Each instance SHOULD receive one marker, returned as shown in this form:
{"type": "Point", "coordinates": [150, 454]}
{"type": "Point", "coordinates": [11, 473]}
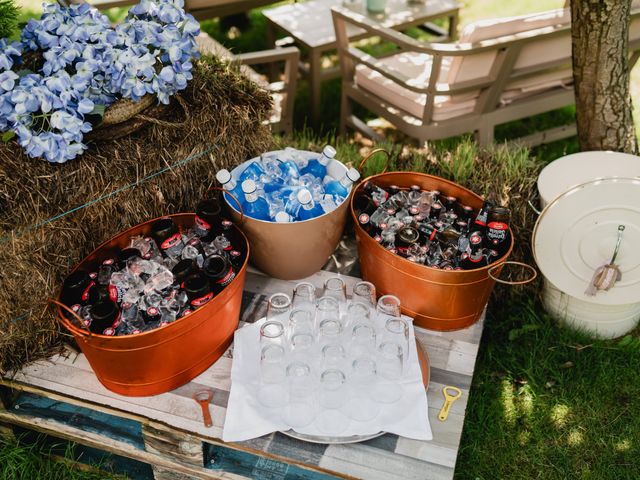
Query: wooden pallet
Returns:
{"type": "Point", "coordinates": [61, 397]}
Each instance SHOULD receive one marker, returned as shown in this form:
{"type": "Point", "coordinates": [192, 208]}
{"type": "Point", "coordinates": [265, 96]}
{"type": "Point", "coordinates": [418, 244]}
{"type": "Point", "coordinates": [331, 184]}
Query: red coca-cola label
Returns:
{"type": "Point", "coordinates": [363, 218]}
{"type": "Point", "coordinates": [185, 313]}
{"type": "Point", "coordinates": [391, 211]}
{"type": "Point", "coordinates": [108, 261]}
{"type": "Point", "coordinates": [85, 294]}
{"type": "Point", "coordinates": [198, 302]}
{"type": "Point", "coordinates": [235, 253]}
{"type": "Point", "coordinates": [383, 226]}
{"type": "Point", "coordinates": [202, 224]}
{"type": "Point", "coordinates": [116, 294]}
{"type": "Point", "coordinates": [378, 238]}
{"type": "Point", "coordinates": [414, 210]}
{"type": "Point", "coordinates": [475, 259]}
{"type": "Point", "coordinates": [226, 280]}
{"type": "Point", "coordinates": [475, 239]}
{"type": "Point", "coordinates": [497, 232]}
{"type": "Point", "coordinates": [227, 224]}
{"type": "Point", "coordinates": [111, 331]}
{"type": "Point", "coordinates": [172, 241]}
{"type": "Point", "coordinates": [194, 242]}
{"type": "Point", "coordinates": [135, 331]}
{"type": "Point", "coordinates": [93, 275]}
{"type": "Point", "coordinates": [433, 234]}
{"type": "Point", "coordinates": [402, 251]}
{"type": "Point", "coordinates": [152, 311]}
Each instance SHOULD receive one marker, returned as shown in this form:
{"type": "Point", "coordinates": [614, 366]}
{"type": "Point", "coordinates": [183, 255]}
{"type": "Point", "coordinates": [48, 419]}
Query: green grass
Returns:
{"type": "Point", "coordinates": [550, 403]}
{"type": "Point", "coordinates": [36, 462]}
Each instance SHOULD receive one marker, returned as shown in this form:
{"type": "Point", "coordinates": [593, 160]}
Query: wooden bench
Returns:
{"type": "Point", "coordinates": [62, 398]}
{"type": "Point", "coordinates": [500, 70]}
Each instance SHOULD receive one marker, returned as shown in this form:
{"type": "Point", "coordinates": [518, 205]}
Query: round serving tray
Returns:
{"type": "Point", "coordinates": [423, 359]}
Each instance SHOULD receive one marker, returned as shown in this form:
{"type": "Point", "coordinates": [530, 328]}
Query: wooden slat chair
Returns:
{"type": "Point", "coordinates": [500, 70]}
{"type": "Point", "coordinates": [282, 92]}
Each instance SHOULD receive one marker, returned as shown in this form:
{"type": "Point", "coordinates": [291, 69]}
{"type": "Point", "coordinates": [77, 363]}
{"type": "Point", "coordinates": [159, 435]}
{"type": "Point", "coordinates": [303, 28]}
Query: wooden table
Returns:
{"type": "Point", "coordinates": [62, 398]}
{"type": "Point", "coordinates": [311, 26]}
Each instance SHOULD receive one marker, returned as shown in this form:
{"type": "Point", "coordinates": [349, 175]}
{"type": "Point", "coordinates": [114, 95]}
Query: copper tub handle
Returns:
{"type": "Point", "coordinates": [234, 198]}
{"type": "Point", "coordinates": [371, 154]}
{"type": "Point", "coordinates": [511, 262]}
{"type": "Point", "coordinates": [82, 330]}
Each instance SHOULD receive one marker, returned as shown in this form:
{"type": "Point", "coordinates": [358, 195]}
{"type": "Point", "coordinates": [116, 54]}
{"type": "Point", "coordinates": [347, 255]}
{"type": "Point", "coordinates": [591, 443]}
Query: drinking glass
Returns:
{"type": "Point", "coordinates": [304, 297]}
{"type": "Point", "coordinates": [364, 378]}
{"type": "Point", "coordinates": [332, 396]}
{"type": "Point", "coordinates": [363, 340]}
{"type": "Point", "coordinates": [364, 292]}
{"type": "Point", "coordinates": [334, 356]}
{"type": "Point", "coordinates": [302, 346]}
{"type": "Point", "coordinates": [388, 306]}
{"type": "Point", "coordinates": [272, 333]}
{"type": "Point", "coordinates": [271, 392]}
{"type": "Point", "coordinates": [330, 331]}
{"type": "Point", "coordinates": [357, 312]}
{"type": "Point", "coordinates": [301, 409]}
{"type": "Point", "coordinates": [279, 308]}
{"type": "Point", "coordinates": [301, 321]}
{"type": "Point", "coordinates": [390, 363]}
{"type": "Point", "coordinates": [397, 330]}
{"type": "Point", "coordinates": [327, 307]}
{"type": "Point", "coordinates": [336, 288]}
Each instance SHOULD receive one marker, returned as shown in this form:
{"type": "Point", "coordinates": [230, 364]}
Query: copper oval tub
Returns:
{"type": "Point", "coordinates": [160, 360]}
{"type": "Point", "coordinates": [437, 299]}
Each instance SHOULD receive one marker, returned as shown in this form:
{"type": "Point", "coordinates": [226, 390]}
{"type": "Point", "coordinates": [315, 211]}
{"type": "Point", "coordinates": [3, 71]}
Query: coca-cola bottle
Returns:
{"type": "Point", "coordinates": [167, 236]}
{"type": "Point", "coordinates": [105, 317]}
{"type": "Point", "coordinates": [198, 290]}
{"type": "Point", "coordinates": [475, 257]}
{"type": "Point", "coordinates": [182, 270]}
{"type": "Point", "coordinates": [79, 288]}
{"type": "Point", "coordinates": [208, 214]}
{"type": "Point", "coordinates": [218, 270]}
{"type": "Point", "coordinates": [405, 238]}
{"type": "Point", "coordinates": [480, 222]}
{"type": "Point", "coordinates": [498, 236]}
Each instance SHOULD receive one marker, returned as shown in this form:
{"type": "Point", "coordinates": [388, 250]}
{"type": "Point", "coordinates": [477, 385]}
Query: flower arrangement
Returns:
{"type": "Point", "coordinates": [84, 65]}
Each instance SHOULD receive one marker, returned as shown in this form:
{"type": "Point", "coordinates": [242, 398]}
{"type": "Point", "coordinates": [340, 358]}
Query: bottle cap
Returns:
{"type": "Point", "coordinates": [248, 186]}
{"type": "Point", "coordinates": [223, 176]}
{"type": "Point", "coordinates": [304, 196]}
{"type": "Point", "coordinates": [353, 175]}
{"type": "Point", "coordinates": [282, 217]}
{"type": "Point", "coordinates": [329, 151]}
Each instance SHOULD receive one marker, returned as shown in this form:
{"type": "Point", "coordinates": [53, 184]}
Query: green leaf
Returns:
{"type": "Point", "coordinates": [98, 110]}
{"type": "Point", "coordinates": [626, 340]}
{"type": "Point", "coordinates": [6, 136]}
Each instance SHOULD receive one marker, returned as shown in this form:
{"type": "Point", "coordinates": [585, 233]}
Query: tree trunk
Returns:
{"type": "Point", "coordinates": [600, 41]}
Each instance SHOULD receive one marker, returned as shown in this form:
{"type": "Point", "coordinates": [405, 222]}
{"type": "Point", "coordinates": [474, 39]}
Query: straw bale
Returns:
{"type": "Point", "coordinates": [225, 111]}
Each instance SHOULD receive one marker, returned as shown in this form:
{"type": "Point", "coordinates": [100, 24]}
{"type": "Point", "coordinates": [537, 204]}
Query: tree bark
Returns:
{"type": "Point", "coordinates": [600, 42]}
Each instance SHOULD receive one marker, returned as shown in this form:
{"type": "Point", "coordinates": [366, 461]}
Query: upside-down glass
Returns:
{"type": "Point", "coordinates": [388, 306]}
{"type": "Point", "coordinates": [333, 356]}
{"type": "Point", "coordinates": [363, 340]}
{"type": "Point", "coordinates": [397, 330]}
{"type": "Point", "coordinates": [358, 312]}
{"type": "Point", "coordinates": [272, 393]}
{"type": "Point", "coordinates": [332, 396]}
{"type": "Point", "coordinates": [300, 411]}
{"type": "Point", "coordinates": [302, 347]}
{"type": "Point", "coordinates": [390, 363]}
{"type": "Point", "coordinates": [364, 378]}
{"type": "Point", "coordinates": [336, 288]}
{"type": "Point", "coordinates": [301, 321]}
{"type": "Point", "coordinates": [279, 308]}
{"type": "Point", "coordinates": [304, 297]}
{"type": "Point", "coordinates": [364, 292]}
{"type": "Point", "coordinates": [327, 307]}
{"type": "Point", "coordinates": [330, 331]}
{"type": "Point", "coordinates": [272, 333]}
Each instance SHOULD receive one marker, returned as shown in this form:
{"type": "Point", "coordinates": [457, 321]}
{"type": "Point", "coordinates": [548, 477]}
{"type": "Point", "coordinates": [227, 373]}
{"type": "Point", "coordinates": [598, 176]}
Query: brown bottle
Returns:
{"type": "Point", "coordinates": [405, 238]}
{"type": "Point", "coordinates": [498, 235]}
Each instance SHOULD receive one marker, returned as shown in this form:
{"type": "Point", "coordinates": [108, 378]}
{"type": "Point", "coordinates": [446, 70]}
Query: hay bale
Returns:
{"type": "Point", "coordinates": [224, 118]}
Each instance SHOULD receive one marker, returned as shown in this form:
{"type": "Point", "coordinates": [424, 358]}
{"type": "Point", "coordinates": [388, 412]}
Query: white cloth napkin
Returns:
{"type": "Point", "coordinates": [246, 418]}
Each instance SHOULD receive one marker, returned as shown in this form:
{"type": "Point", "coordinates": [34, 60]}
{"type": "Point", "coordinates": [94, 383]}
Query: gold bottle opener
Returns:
{"type": "Point", "coordinates": [449, 398]}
